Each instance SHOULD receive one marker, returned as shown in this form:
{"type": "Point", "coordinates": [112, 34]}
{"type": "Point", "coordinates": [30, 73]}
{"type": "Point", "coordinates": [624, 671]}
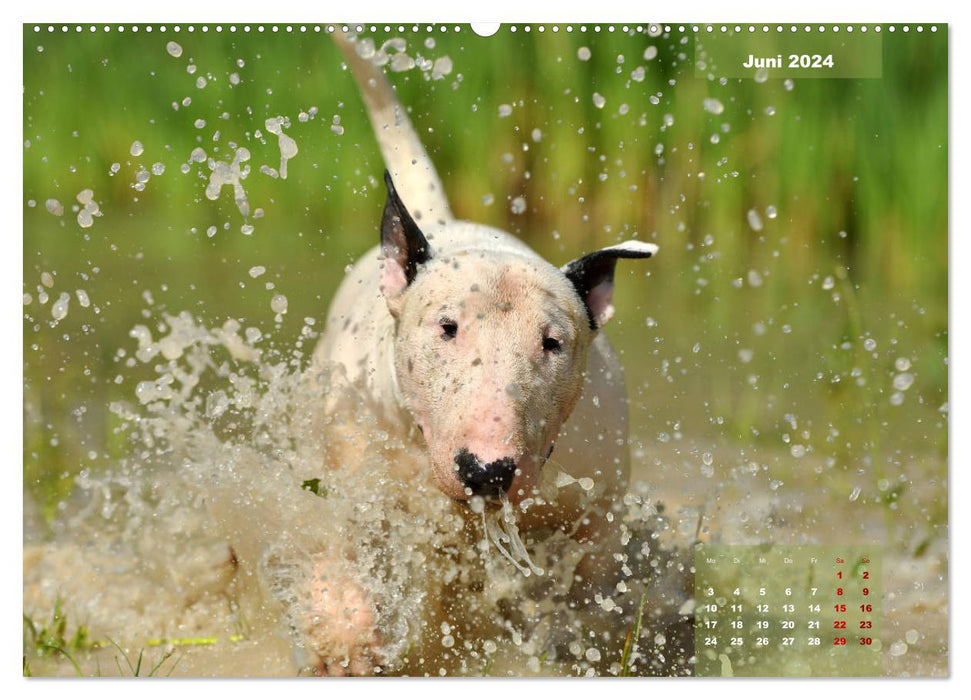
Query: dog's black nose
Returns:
{"type": "Point", "coordinates": [490, 479]}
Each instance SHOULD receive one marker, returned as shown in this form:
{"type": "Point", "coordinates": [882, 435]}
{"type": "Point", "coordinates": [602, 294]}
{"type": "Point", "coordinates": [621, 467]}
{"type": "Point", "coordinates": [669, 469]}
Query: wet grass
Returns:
{"type": "Point", "coordinates": [631, 641]}
{"type": "Point", "coordinates": [50, 639]}
{"type": "Point", "coordinates": [47, 643]}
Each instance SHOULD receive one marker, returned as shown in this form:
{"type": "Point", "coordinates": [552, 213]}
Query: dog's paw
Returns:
{"type": "Point", "coordinates": [341, 625]}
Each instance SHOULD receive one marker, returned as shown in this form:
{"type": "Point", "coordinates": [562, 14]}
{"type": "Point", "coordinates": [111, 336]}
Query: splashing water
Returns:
{"type": "Point", "coordinates": [89, 208]}
{"type": "Point", "coordinates": [256, 491]}
{"type": "Point", "coordinates": [288, 147]}
{"type": "Point", "coordinates": [232, 174]}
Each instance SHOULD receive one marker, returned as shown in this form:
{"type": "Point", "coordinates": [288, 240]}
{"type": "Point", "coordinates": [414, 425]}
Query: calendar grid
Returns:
{"type": "Point", "coordinates": [787, 611]}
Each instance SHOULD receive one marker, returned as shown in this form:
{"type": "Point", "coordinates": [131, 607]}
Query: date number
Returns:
{"type": "Point", "coordinates": [805, 60]}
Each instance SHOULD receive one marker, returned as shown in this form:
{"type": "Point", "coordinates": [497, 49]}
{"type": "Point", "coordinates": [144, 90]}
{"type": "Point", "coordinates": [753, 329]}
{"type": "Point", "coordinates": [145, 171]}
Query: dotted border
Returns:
{"type": "Point", "coordinates": [651, 29]}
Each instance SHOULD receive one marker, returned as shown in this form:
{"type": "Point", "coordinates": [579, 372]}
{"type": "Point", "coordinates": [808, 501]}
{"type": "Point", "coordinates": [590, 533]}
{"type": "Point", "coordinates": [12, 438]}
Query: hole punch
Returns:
{"type": "Point", "coordinates": [485, 29]}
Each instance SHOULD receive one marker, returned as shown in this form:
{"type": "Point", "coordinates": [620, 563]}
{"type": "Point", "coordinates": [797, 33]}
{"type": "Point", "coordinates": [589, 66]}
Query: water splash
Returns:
{"type": "Point", "coordinates": [256, 489]}
{"type": "Point", "coordinates": [288, 147]}
{"type": "Point", "coordinates": [231, 174]}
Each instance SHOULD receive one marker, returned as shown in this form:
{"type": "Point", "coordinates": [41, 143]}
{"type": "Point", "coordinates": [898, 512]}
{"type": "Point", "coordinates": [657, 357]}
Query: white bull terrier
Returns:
{"type": "Point", "coordinates": [464, 340]}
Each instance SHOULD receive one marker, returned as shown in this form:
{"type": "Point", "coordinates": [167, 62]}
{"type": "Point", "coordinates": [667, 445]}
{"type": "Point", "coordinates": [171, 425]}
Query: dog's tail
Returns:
{"type": "Point", "coordinates": [414, 174]}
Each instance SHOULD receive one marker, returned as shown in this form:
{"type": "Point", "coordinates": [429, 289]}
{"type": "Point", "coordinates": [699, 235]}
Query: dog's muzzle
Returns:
{"type": "Point", "coordinates": [490, 480]}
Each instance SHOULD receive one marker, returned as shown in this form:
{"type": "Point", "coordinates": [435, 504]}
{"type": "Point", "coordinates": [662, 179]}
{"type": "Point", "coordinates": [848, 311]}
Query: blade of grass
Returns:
{"type": "Point", "coordinates": [632, 636]}
{"type": "Point", "coordinates": [59, 650]}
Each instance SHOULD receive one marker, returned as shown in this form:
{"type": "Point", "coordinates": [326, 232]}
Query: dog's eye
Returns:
{"type": "Point", "coordinates": [449, 328]}
{"type": "Point", "coordinates": [552, 344]}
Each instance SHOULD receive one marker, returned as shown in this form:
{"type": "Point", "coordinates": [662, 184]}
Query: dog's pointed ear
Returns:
{"type": "Point", "coordinates": [403, 245]}
{"type": "Point", "coordinates": [593, 277]}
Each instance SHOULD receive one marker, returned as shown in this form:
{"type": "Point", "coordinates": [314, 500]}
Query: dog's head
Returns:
{"type": "Point", "coordinates": [490, 350]}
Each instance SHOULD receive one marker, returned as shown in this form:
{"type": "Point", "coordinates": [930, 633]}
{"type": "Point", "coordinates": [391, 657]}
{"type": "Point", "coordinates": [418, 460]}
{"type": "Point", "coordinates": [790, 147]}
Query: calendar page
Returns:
{"type": "Point", "coordinates": [436, 349]}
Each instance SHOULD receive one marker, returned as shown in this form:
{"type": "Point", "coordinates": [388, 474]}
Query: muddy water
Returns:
{"type": "Point", "coordinates": [747, 496]}
{"type": "Point", "coordinates": [199, 551]}
{"type": "Point", "coordinates": [204, 549]}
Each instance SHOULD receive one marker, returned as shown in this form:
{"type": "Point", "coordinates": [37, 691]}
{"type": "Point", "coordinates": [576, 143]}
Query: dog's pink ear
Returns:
{"type": "Point", "coordinates": [403, 245]}
{"type": "Point", "coordinates": [593, 277]}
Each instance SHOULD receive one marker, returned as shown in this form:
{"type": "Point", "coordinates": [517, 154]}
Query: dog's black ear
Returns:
{"type": "Point", "coordinates": [593, 277]}
{"type": "Point", "coordinates": [403, 245]}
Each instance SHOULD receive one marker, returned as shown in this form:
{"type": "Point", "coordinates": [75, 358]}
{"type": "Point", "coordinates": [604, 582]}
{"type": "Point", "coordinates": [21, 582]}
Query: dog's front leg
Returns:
{"type": "Point", "coordinates": [340, 622]}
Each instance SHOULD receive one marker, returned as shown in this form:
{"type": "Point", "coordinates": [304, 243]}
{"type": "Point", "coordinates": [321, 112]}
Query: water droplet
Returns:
{"type": "Point", "coordinates": [798, 451]}
{"type": "Point", "coordinates": [54, 207]}
{"type": "Point", "coordinates": [869, 344]}
{"type": "Point", "coordinates": [903, 381]}
{"type": "Point", "coordinates": [650, 53]}
{"type": "Point", "coordinates": [279, 304]}
{"type": "Point", "coordinates": [83, 299]}
{"type": "Point", "coordinates": [771, 212]}
{"type": "Point", "coordinates": [46, 279]}
{"type": "Point", "coordinates": [754, 220]}
{"type": "Point", "coordinates": [599, 100]}
{"type": "Point", "coordinates": [60, 307]}
{"type": "Point", "coordinates": [898, 648]}
{"type": "Point", "coordinates": [855, 493]}
{"type": "Point", "coordinates": [712, 106]}
{"type": "Point", "coordinates": [902, 364]}
{"type": "Point", "coordinates": [637, 75]}
{"type": "Point", "coordinates": [583, 53]}
{"type": "Point", "coordinates": [518, 205]}
{"type": "Point", "coordinates": [441, 67]}
{"type": "Point", "coordinates": [136, 148]}
{"type": "Point", "coordinates": [828, 282]}
{"type": "Point", "coordinates": [256, 271]}
{"type": "Point", "coordinates": [174, 49]}
{"type": "Point", "coordinates": [401, 62]}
